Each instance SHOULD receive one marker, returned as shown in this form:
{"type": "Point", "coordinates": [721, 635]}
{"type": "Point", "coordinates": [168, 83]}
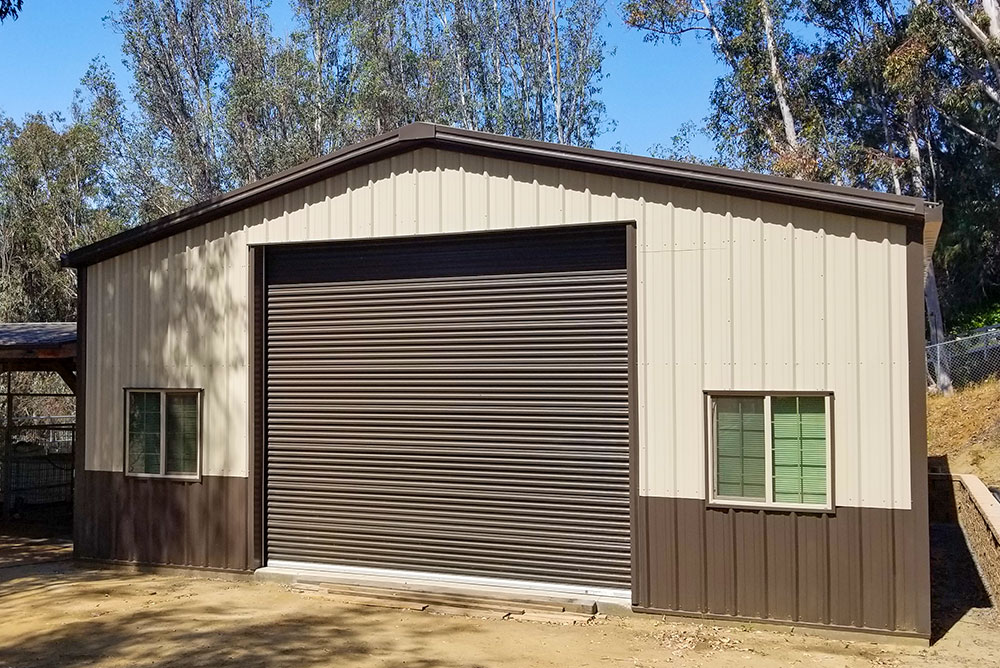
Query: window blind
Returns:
{"type": "Point", "coordinates": [181, 433]}
{"type": "Point", "coordinates": [740, 447]}
{"type": "Point", "coordinates": [798, 430]}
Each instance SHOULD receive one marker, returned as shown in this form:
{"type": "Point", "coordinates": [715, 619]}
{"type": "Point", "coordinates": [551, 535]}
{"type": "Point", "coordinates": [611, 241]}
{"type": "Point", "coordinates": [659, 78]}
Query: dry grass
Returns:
{"type": "Point", "coordinates": [965, 428]}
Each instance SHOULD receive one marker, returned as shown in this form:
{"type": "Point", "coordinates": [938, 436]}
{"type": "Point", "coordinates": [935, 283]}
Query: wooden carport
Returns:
{"type": "Point", "coordinates": [32, 347]}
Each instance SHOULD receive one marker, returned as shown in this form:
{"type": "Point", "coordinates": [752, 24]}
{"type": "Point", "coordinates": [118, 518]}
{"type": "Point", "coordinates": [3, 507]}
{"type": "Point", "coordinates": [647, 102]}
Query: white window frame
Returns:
{"type": "Point", "coordinates": [163, 475]}
{"type": "Point", "coordinates": [768, 503]}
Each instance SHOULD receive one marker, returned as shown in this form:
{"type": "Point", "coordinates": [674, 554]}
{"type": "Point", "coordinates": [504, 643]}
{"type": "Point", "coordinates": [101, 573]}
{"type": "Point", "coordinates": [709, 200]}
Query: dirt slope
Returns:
{"type": "Point", "coordinates": [965, 428]}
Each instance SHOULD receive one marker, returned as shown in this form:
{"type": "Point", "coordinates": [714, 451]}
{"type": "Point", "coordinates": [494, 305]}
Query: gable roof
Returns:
{"type": "Point", "coordinates": [910, 211]}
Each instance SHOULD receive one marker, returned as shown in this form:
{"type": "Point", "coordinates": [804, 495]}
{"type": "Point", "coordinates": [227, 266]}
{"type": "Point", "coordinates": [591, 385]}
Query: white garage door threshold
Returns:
{"type": "Point", "coordinates": [570, 598]}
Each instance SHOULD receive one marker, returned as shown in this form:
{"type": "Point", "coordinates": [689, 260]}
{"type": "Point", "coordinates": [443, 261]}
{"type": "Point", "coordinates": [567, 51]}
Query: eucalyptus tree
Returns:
{"type": "Point", "coordinates": [53, 197]}
{"type": "Point", "coordinates": [967, 32]}
{"type": "Point", "coordinates": [10, 9]}
{"type": "Point", "coordinates": [171, 49]}
{"type": "Point", "coordinates": [529, 68]}
{"type": "Point", "coordinates": [263, 122]}
{"type": "Point", "coordinates": [762, 117]}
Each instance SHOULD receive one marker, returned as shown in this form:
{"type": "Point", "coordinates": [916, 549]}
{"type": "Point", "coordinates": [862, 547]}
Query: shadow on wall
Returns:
{"type": "Point", "coordinates": [111, 619]}
{"type": "Point", "coordinates": [956, 586]}
{"type": "Point", "coordinates": [176, 324]}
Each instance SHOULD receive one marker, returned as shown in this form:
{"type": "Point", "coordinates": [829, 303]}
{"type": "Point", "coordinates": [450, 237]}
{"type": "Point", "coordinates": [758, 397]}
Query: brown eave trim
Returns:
{"type": "Point", "coordinates": [909, 211]}
{"type": "Point", "coordinates": [248, 196]}
{"type": "Point", "coordinates": [807, 194]}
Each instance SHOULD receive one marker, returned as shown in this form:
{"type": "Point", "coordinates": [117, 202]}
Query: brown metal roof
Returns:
{"type": "Point", "coordinates": [911, 211]}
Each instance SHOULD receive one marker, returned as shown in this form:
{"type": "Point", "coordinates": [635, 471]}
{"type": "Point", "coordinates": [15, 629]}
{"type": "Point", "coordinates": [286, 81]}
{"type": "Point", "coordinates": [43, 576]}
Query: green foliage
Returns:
{"type": "Point", "coordinates": [10, 9]}
{"type": "Point", "coordinates": [893, 95]}
{"type": "Point", "coordinates": [983, 315]}
{"type": "Point", "coordinates": [220, 101]}
{"type": "Point", "coordinates": [53, 197]}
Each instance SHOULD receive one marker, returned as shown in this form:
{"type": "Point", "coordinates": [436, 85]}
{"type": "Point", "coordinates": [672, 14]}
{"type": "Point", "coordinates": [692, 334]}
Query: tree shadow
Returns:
{"type": "Point", "coordinates": [167, 622]}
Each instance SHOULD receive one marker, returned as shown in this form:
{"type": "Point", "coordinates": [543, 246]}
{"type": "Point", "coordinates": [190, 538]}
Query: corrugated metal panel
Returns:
{"type": "Point", "coordinates": [848, 569]}
{"type": "Point", "coordinates": [472, 423]}
{"type": "Point", "coordinates": [731, 290]}
{"type": "Point", "coordinates": [201, 524]}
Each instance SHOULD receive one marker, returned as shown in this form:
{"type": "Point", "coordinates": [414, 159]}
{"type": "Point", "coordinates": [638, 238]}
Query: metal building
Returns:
{"type": "Point", "coordinates": [492, 360]}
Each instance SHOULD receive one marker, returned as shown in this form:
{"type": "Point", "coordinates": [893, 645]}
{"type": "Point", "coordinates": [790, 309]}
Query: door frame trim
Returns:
{"type": "Point", "coordinates": [257, 409]}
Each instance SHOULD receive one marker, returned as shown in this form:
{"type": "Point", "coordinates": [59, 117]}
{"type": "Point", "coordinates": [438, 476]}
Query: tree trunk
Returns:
{"type": "Point", "coordinates": [777, 78]}
{"type": "Point", "coordinates": [717, 34]}
{"type": "Point", "coordinates": [890, 146]}
{"type": "Point", "coordinates": [501, 124]}
{"type": "Point", "coordinates": [319, 54]}
{"type": "Point", "coordinates": [935, 320]}
{"type": "Point", "coordinates": [992, 9]}
{"type": "Point", "coordinates": [939, 352]}
{"type": "Point", "coordinates": [557, 80]}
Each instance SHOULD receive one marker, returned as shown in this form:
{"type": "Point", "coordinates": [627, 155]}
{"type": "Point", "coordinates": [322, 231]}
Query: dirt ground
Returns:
{"type": "Point", "coordinates": [58, 614]}
{"type": "Point", "coordinates": [21, 549]}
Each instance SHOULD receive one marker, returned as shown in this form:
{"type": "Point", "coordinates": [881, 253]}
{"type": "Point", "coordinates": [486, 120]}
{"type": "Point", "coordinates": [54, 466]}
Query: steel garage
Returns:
{"type": "Point", "coordinates": [448, 356]}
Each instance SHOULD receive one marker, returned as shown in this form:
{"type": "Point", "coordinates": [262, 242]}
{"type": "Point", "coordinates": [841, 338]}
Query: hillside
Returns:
{"type": "Point", "coordinates": [965, 428]}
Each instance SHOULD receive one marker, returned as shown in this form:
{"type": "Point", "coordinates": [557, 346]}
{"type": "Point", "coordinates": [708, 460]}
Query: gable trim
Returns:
{"type": "Point", "coordinates": [910, 211]}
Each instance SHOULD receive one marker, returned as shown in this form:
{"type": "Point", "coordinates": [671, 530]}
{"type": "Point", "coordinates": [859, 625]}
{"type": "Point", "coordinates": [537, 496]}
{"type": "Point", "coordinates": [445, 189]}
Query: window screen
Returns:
{"type": "Point", "coordinates": [739, 429]}
{"type": "Point", "coordinates": [143, 432]}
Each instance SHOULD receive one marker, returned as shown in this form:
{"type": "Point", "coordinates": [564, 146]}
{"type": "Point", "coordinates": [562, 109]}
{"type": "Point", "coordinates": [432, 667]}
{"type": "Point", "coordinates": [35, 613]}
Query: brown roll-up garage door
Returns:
{"type": "Point", "coordinates": [453, 404]}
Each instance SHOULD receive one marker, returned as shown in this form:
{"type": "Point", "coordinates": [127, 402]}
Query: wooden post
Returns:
{"type": "Point", "coordinates": [8, 454]}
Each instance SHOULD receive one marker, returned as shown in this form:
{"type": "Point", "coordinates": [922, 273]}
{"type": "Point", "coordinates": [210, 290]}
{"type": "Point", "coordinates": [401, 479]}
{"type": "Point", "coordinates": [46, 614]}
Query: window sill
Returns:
{"type": "Point", "coordinates": [171, 478]}
{"type": "Point", "coordinates": [718, 504]}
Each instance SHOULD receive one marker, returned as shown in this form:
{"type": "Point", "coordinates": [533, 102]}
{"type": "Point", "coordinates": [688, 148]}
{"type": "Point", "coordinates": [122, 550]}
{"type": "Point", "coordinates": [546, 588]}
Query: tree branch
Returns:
{"type": "Point", "coordinates": [979, 137]}
{"type": "Point", "coordinates": [977, 34]}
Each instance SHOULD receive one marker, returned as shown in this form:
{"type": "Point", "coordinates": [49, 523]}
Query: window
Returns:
{"type": "Point", "coordinates": [163, 433]}
{"type": "Point", "coordinates": [770, 450]}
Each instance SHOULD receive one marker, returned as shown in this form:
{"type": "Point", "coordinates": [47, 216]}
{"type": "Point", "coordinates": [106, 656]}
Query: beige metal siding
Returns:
{"type": "Point", "coordinates": [733, 293]}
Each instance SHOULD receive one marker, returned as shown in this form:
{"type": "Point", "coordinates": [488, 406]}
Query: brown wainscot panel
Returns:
{"type": "Point", "coordinates": [200, 524]}
{"type": "Point", "coordinates": [857, 568]}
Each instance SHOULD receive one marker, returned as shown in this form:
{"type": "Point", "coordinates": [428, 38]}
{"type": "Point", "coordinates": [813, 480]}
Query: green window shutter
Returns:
{"type": "Point", "coordinates": [739, 447]}
{"type": "Point", "coordinates": [182, 433]}
{"type": "Point", "coordinates": [143, 432]}
{"type": "Point", "coordinates": [798, 431]}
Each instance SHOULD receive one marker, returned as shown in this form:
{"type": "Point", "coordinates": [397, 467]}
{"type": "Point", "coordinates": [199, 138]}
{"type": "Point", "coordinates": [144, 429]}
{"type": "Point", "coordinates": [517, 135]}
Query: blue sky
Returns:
{"type": "Point", "coordinates": [650, 92]}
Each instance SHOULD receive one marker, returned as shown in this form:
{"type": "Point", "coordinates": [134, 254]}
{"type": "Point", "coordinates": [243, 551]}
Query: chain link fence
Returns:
{"type": "Point", "coordinates": [965, 360]}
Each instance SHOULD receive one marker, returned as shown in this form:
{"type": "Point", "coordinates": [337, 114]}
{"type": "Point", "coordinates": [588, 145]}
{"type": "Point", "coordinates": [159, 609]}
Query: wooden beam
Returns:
{"type": "Point", "coordinates": [67, 372]}
{"type": "Point", "coordinates": [64, 351]}
{"type": "Point", "coordinates": [21, 364]}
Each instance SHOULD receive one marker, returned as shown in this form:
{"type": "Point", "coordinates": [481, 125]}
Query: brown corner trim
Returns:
{"type": "Point", "coordinates": [80, 446]}
{"type": "Point", "coordinates": [257, 520]}
{"type": "Point", "coordinates": [639, 566]}
{"type": "Point", "coordinates": [918, 545]}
